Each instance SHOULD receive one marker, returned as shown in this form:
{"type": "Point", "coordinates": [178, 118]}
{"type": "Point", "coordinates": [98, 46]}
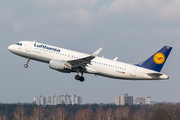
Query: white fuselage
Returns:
{"type": "Point", "coordinates": [99, 66]}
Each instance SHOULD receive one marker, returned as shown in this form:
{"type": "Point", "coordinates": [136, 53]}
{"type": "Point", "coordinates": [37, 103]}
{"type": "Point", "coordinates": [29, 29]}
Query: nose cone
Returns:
{"type": "Point", "coordinates": [10, 48]}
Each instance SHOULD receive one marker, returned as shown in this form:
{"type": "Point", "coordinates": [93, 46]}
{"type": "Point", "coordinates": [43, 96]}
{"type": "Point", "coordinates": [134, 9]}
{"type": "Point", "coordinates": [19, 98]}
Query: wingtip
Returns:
{"type": "Point", "coordinates": [97, 52]}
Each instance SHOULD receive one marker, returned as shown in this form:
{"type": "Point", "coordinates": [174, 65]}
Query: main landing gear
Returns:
{"type": "Point", "coordinates": [26, 65]}
{"type": "Point", "coordinates": [80, 78]}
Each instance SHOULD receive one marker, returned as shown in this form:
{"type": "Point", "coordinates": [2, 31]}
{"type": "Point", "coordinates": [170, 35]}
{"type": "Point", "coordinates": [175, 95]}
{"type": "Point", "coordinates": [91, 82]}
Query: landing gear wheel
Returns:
{"type": "Point", "coordinates": [81, 79]}
{"type": "Point", "coordinates": [26, 65]}
{"type": "Point", "coordinates": [77, 77]}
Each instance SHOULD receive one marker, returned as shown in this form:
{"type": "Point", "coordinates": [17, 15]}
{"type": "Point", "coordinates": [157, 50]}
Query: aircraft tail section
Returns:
{"type": "Point", "coordinates": [157, 60]}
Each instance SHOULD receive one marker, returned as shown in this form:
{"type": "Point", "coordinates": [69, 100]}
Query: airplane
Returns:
{"type": "Point", "coordinates": [67, 61]}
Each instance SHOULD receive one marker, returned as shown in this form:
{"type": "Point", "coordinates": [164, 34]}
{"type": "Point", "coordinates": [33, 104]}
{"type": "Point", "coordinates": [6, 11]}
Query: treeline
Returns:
{"type": "Point", "coordinates": [89, 112]}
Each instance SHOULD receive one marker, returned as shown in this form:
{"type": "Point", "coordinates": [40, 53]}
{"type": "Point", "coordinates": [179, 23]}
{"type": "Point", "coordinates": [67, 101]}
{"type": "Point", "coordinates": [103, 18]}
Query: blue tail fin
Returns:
{"type": "Point", "coordinates": [157, 60]}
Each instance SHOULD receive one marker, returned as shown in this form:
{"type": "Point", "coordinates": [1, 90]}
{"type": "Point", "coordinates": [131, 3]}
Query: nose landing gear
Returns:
{"type": "Point", "coordinates": [26, 65]}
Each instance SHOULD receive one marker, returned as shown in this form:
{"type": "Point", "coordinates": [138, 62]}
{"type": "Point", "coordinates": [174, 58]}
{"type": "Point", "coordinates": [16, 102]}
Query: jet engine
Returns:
{"type": "Point", "coordinates": [59, 65]}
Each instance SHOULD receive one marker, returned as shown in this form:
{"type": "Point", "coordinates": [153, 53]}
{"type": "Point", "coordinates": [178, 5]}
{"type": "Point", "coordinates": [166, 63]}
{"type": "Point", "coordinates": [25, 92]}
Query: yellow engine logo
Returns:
{"type": "Point", "coordinates": [159, 58]}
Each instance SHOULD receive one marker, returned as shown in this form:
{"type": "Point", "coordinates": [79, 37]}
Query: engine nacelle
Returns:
{"type": "Point", "coordinates": [59, 65]}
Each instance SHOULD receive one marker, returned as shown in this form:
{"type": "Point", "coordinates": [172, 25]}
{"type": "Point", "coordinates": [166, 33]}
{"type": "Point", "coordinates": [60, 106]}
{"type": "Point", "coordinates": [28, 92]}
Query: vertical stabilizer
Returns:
{"type": "Point", "coordinates": [157, 60]}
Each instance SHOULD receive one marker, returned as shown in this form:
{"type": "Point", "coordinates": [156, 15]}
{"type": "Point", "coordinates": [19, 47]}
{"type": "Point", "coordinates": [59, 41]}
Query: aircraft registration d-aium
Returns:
{"type": "Point", "coordinates": [67, 61]}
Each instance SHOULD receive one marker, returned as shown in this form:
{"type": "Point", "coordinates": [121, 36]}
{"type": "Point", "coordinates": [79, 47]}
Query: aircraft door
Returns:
{"type": "Point", "coordinates": [29, 45]}
{"type": "Point", "coordinates": [133, 71]}
{"type": "Point", "coordinates": [69, 56]}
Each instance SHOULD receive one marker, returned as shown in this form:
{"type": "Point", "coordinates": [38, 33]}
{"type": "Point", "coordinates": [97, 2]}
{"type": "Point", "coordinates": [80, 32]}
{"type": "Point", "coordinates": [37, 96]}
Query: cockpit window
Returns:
{"type": "Point", "coordinates": [19, 44]}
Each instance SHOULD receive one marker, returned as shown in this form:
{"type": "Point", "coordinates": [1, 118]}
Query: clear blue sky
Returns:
{"type": "Point", "coordinates": [129, 29]}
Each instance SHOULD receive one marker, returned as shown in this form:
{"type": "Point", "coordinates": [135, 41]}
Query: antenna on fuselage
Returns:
{"type": "Point", "coordinates": [115, 58]}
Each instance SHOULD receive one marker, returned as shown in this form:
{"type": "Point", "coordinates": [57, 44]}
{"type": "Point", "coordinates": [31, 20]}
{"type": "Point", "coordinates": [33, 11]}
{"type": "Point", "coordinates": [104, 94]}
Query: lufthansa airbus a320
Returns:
{"type": "Point", "coordinates": [67, 61]}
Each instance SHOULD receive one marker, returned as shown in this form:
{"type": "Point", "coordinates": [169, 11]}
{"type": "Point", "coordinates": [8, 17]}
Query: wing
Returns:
{"type": "Point", "coordinates": [84, 61]}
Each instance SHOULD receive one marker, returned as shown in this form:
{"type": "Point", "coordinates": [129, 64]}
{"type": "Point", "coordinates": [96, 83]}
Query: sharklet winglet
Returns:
{"type": "Point", "coordinates": [97, 52]}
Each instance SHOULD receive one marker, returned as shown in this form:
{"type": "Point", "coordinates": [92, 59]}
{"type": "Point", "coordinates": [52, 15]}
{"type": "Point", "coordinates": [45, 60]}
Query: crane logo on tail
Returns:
{"type": "Point", "coordinates": [159, 58]}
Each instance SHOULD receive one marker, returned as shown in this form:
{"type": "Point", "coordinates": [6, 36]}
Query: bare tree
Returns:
{"type": "Point", "coordinates": [159, 113]}
{"type": "Point", "coordinates": [109, 114]}
{"type": "Point", "coordinates": [176, 113]}
{"type": "Point", "coordinates": [20, 114]}
{"type": "Point", "coordinates": [140, 114]}
{"type": "Point", "coordinates": [3, 117]}
{"type": "Point", "coordinates": [84, 114]}
{"type": "Point", "coordinates": [59, 114]}
{"type": "Point", "coordinates": [122, 113]}
{"type": "Point", "coordinates": [118, 113]}
{"type": "Point", "coordinates": [37, 114]}
{"type": "Point", "coordinates": [100, 115]}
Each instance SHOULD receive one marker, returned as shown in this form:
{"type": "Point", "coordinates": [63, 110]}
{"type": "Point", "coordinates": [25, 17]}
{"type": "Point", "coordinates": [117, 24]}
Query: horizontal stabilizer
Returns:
{"type": "Point", "coordinates": [97, 52]}
{"type": "Point", "coordinates": [155, 74]}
